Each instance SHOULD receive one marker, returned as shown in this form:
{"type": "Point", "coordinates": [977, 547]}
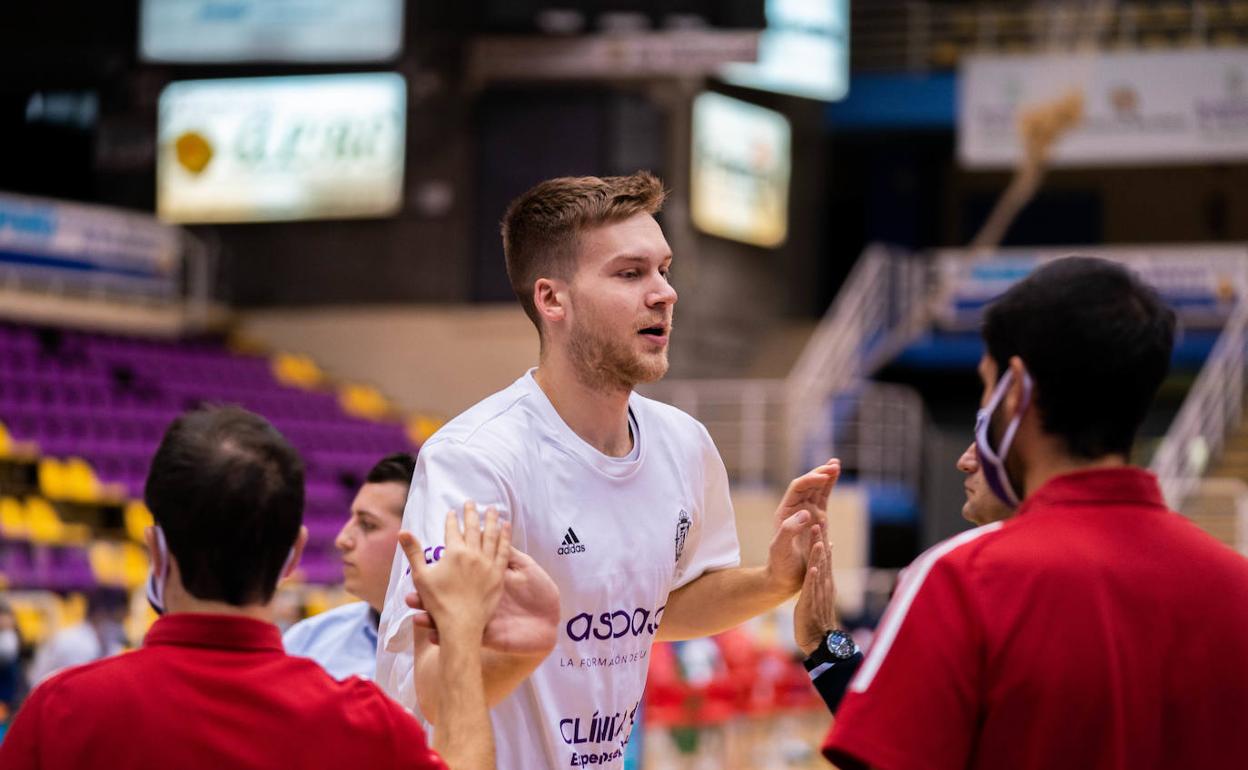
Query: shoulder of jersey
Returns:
{"type": "Point", "coordinates": [670, 415]}
{"type": "Point", "coordinates": [495, 412]}
{"type": "Point", "coordinates": [961, 550]}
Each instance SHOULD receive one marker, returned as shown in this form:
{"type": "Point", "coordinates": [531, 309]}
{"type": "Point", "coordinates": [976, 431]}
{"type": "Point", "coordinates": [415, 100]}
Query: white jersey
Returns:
{"type": "Point", "coordinates": [616, 534]}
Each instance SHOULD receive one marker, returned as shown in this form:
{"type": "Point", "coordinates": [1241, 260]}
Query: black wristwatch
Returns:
{"type": "Point", "coordinates": [837, 647]}
{"type": "Point", "coordinates": [832, 665]}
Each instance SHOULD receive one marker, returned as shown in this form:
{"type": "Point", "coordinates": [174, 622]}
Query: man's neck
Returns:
{"type": "Point", "coordinates": [1049, 465]}
{"type": "Point", "coordinates": [598, 415]}
{"type": "Point", "coordinates": [180, 601]}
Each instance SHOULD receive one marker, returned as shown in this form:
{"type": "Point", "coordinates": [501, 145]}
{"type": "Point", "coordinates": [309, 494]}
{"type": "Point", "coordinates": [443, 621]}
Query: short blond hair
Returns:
{"type": "Point", "coordinates": [541, 227]}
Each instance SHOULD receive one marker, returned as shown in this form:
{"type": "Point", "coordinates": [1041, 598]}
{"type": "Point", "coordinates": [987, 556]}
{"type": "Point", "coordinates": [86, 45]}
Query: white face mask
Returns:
{"type": "Point", "coordinates": [10, 646]}
{"type": "Point", "coordinates": [156, 585]}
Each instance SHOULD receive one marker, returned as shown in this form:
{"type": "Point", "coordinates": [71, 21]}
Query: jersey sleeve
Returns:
{"type": "Point", "coordinates": [915, 700]}
{"type": "Point", "coordinates": [709, 542]}
{"type": "Point", "coordinates": [447, 475]}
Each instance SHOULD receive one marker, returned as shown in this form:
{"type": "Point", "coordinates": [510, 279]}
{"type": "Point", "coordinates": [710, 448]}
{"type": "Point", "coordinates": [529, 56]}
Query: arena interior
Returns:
{"type": "Point", "coordinates": [295, 206]}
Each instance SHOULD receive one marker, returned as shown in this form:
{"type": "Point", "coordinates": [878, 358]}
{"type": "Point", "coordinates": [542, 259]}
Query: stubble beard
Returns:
{"type": "Point", "coordinates": [602, 363]}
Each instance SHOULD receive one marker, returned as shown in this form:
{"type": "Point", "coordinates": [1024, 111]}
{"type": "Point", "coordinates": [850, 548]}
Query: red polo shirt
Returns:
{"type": "Point", "coordinates": [1096, 629]}
{"type": "Point", "coordinates": [211, 692]}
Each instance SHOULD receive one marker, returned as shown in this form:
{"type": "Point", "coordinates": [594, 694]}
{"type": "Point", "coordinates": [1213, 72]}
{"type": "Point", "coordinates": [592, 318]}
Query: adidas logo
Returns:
{"type": "Point", "coordinates": [571, 544]}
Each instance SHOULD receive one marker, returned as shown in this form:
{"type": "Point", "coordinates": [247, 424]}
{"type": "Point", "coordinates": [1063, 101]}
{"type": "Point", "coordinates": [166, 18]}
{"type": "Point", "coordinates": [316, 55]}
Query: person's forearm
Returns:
{"type": "Point", "coordinates": [718, 601]}
{"type": "Point", "coordinates": [464, 736]}
{"type": "Point", "coordinates": [500, 672]}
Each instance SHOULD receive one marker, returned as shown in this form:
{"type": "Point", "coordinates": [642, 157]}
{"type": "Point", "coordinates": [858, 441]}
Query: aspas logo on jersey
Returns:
{"type": "Point", "coordinates": [571, 544]}
{"type": "Point", "coordinates": [683, 520]}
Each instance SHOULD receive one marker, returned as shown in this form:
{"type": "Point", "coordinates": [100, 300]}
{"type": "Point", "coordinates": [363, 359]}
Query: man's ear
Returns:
{"type": "Point", "coordinates": [153, 549]}
{"type": "Point", "coordinates": [1014, 396]}
{"type": "Point", "coordinates": [300, 541]}
{"type": "Point", "coordinates": [551, 300]}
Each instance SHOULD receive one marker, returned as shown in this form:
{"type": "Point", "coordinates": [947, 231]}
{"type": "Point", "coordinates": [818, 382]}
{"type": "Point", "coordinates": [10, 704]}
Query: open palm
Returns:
{"type": "Point", "coordinates": [790, 547]}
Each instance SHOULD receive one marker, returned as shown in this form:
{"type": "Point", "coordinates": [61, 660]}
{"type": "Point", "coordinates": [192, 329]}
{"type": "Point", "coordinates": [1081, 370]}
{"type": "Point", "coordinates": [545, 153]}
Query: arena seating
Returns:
{"type": "Point", "coordinates": [90, 409]}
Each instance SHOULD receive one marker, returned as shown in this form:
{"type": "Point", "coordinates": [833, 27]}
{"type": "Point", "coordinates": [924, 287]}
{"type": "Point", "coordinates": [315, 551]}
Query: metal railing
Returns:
{"type": "Point", "coordinates": [1213, 406]}
{"type": "Point", "coordinates": [767, 430]}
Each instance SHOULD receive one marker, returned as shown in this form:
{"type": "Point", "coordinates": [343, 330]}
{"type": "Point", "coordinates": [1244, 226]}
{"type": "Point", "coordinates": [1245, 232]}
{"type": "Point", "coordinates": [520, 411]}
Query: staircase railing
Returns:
{"type": "Point", "coordinates": [768, 429]}
{"type": "Point", "coordinates": [1212, 407]}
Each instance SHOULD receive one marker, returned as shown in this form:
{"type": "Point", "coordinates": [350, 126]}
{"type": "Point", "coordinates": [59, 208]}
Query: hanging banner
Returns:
{"type": "Point", "coordinates": [1167, 107]}
{"type": "Point", "coordinates": [88, 247]}
{"type": "Point", "coordinates": [281, 148]}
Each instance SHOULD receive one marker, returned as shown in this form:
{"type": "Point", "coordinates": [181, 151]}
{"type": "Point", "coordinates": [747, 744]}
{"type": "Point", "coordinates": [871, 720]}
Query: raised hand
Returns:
{"type": "Point", "coordinates": [809, 492]}
{"type": "Point", "coordinates": [815, 613]}
{"type": "Point", "coordinates": [460, 591]}
{"type": "Point", "coordinates": [526, 621]}
{"type": "Point", "coordinates": [803, 506]}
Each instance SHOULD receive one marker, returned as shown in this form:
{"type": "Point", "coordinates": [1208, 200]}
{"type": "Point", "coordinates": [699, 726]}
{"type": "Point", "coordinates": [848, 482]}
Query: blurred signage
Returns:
{"type": "Point", "coordinates": [91, 246]}
{"type": "Point", "coordinates": [219, 31]}
{"type": "Point", "coordinates": [1139, 108]}
{"type": "Point", "coordinates": [666, 54]}
{"type": "Point", "coordinates": [804, 51]}
{"type": "Point", "coordinates": [258, 149]}
{"type": "Point", "coordinates": [1202, 283]}
{"type": "Point", "coordinates": [740, 175]}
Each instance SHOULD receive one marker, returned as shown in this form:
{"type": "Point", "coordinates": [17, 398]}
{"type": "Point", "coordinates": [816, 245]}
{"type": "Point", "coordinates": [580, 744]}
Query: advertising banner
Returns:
{"type": "Point", "coordinates": [740, 175]}
{"type": "Point", "coordinates": [282, 148]}
{"type": "Point", "coordinates": [1165, 107]}
{"type": "Point", "coordinates": [73, 244]}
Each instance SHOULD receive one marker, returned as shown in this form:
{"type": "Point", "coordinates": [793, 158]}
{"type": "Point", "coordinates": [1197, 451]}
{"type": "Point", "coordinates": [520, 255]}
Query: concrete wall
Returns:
{"type": "Point", "coordinates": [434, 358]}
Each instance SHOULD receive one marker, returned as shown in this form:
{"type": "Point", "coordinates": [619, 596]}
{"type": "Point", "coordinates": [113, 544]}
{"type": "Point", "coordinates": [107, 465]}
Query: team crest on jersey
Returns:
{"type": "Point", "coordinates": [683, 521]}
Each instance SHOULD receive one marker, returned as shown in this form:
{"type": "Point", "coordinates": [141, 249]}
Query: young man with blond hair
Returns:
{"type": "Point", "coordinates": [624, 501]}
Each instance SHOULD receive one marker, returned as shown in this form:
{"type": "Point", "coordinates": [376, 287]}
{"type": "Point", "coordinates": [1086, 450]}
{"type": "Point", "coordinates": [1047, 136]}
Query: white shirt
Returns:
{"type": "Point", "coordinates": [616, 534]}
{"type": "Point", "coordinates": [343, 640]}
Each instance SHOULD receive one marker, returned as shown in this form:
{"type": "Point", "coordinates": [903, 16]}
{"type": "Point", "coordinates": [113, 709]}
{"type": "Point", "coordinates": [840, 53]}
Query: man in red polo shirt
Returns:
{"type": "Point", "coordinates": [212, 687]}
{"type": "Point", "coordinates": [1095, 628]}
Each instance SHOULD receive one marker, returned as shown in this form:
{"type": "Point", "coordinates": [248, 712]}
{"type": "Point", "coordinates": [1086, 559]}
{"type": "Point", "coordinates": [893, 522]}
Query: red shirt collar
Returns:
{"type": "Point", "coordinates": [1122, 485]}
{"type": "Point", "coordinates": [191, 629]}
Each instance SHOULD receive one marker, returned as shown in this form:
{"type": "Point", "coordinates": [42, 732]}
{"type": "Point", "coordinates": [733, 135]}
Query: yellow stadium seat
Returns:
{"type": "Point", "coordinates": [137, 518]}
{"type": "Point", "coordinates": [297, 371]}
{"type": "Point", "coordinates": [51, 478]}
{"type": "Point", "coordinates": [32, 624]}
{"type": "Point", "coordinates": [363, 401]}
{"type": "Point", "coordinates": [315, 602]}
{"type": "Point", "coordinates": [43, 524]}
{"type": "Point", "coordinates": [11, 447]}
{"type": "Point", "coordinates": [72, 610]}
{"type": "Point", "coordinates": [422, 426]}
{"type": "Point", "coordinates": [134, 566]}
{"type": "Point", "coordinates": [13, 519]}
{"type": "Point", "coordinates": [81, 485]}
{"type": "Point", "coordinates": [106, 562]}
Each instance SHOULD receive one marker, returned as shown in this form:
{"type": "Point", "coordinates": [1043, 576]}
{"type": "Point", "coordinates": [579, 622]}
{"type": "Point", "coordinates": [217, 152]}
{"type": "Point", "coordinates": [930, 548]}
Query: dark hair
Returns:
{"type": "Point", "coordinates": [227, 489]}
{"type": "Point", "coordinates": [541, 227]}
{"type": "Point", "coordinates": [1096, 341]}
{"type": "Point", "coordinates": [397, 467]}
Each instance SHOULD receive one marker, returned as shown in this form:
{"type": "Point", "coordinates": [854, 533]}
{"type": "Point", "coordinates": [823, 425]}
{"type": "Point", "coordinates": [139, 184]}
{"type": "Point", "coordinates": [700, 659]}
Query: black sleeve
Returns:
{"type": "Point", "coordinates": [833, 681]}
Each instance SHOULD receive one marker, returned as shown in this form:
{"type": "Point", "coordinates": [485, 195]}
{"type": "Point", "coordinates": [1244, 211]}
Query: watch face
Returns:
{"type": "Point", "coordinates": [840, 645]}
